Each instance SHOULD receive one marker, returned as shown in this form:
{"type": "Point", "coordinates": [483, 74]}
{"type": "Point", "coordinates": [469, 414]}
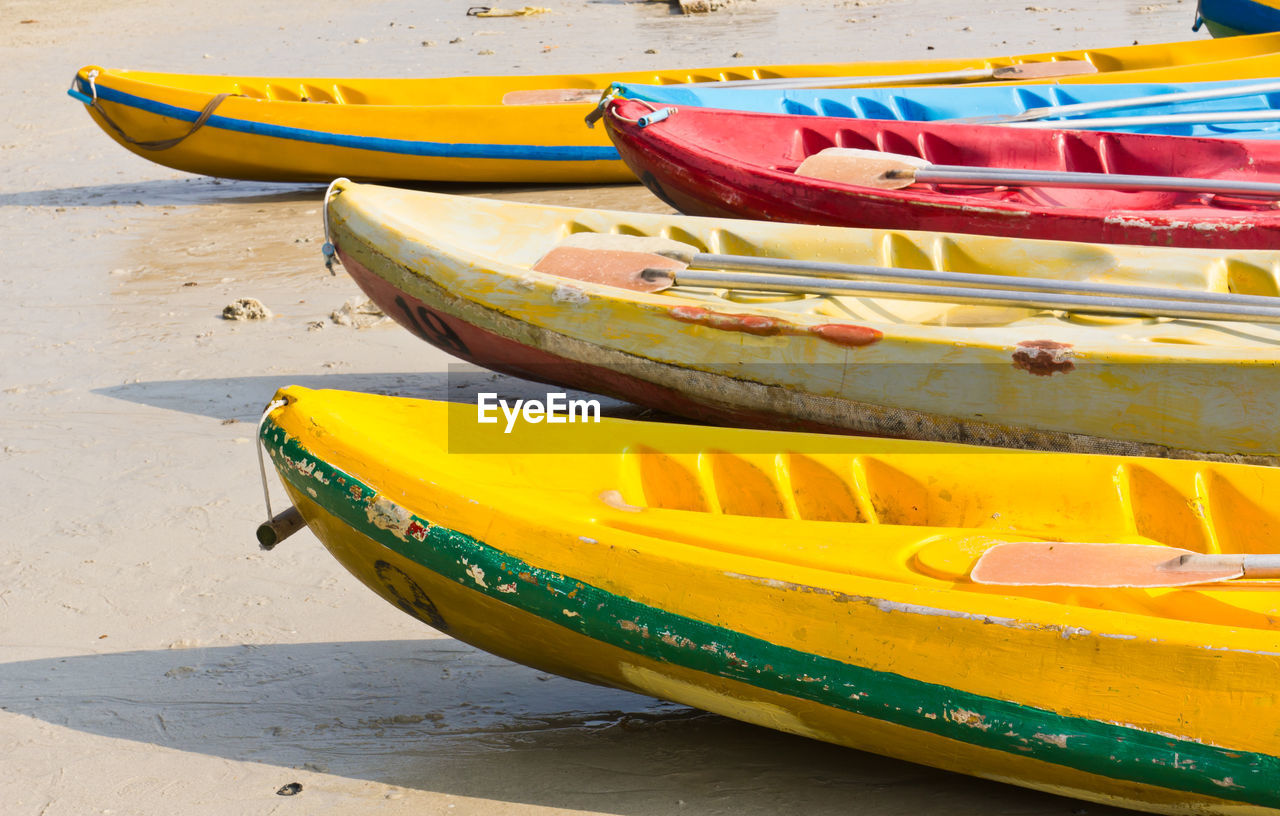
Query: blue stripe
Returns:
{"type": "Point", "coordinates": [378, 144]}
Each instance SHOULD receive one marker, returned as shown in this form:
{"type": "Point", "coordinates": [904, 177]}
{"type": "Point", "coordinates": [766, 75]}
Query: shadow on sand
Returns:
{"type": "Point", "coordinates": [437, 715]}
{"type": "Point", "coordinates": [244, 398]}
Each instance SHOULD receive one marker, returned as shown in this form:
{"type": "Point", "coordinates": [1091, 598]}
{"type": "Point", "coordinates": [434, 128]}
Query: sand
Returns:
{"type": "Point", "coordinates": [155, 662]}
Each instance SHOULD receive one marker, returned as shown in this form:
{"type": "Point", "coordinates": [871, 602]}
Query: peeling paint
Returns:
{"type": "Point", "coordinates": [841, 334]}
{"type": "Point", "coordinates": [568, 294]}
{"type": "Point", "coordinates": [476, 574]}
{"type": "Point", "coordinates": [387, 515]}
{"type": "Point", "coordinates": [963, 716]}
{"type": "Point", "coordinates": [748, 324]}
{"type": "Point", "coordinates": [846, 334]}
{"type": "Point", "coordinates": [1059, 740]}
{"type": "Point", "coordinates": [1043, 358]}
{"type": "Point", "coordinates": [507, 588]}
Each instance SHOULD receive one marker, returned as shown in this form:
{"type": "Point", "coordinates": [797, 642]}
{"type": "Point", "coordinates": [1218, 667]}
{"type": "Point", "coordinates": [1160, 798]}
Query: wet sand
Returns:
{"type": "Point", "coordinates": [154, 661]}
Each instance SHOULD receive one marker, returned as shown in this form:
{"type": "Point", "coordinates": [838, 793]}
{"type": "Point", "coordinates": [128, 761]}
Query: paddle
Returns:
{"type": "Point", "coordinates": [1078, 564]}
{"type": "Point", "coordinates": [1109, 122]}
{"type": "Point", "coordinates": [655, 264]}
{"type": "Point", "coordinates": [1111, 104]}
{"type": "Point", "coordinates": [1024, 72]}
{"type": "Point", "coordinates": [892, 171]}
{"type": "Point", "coordinates": [552, 96]}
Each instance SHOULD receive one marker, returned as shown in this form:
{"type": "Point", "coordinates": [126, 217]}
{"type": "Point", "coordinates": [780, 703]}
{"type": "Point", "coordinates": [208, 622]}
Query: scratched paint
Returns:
{"type": "Point", "coordinates": [1043, 358]}
{"type": "Point", "coordinates": [841, 334]}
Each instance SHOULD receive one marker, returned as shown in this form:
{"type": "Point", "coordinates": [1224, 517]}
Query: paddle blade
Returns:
{"type": "Point", "coordinates": [1044, 70]}
{"type": "Point", "coordinates": [1079, 564]}
{"type": "Point", "coordinates": [552, 96]}
{"type": "Point", "coordinates": [865, 168]}
{"type": "Point", "coordinates": [637, 271]}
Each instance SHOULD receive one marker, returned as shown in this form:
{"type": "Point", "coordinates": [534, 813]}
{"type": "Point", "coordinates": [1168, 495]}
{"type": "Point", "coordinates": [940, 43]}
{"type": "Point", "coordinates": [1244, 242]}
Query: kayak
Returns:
{"type": "Point", "coordinates": [749, 165]}
{"type": "Point", "coordinates": [495, 128]}
{"type": "Point", "coordinates": [460, 274]}
{"type": "Point", "coordinates": [1230, 18]}
{"type": "Point", "coordinates": [1251, 115]}
{"type": "Point", "coordinates": [824, 586]}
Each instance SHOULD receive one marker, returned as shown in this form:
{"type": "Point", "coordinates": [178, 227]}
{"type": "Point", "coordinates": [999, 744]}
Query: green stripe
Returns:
{"type": "Point", "coordinates": [1107, 749]}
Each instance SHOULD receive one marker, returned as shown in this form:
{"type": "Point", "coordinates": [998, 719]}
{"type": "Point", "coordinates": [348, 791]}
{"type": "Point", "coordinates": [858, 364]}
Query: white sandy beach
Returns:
{"type": "Point", "coordinates": [154, 661]}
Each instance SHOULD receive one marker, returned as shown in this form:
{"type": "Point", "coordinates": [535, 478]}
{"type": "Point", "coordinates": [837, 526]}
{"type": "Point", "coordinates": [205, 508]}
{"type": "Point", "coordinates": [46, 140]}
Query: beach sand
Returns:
{"type": "Point", "coordinates": [154, 661]}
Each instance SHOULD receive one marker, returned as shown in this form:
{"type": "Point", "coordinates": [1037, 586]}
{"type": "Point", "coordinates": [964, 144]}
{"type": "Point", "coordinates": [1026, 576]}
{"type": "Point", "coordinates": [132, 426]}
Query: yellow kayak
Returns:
{"type": "Point", "coordinates": [495, 128]}
{"type": "Point", "coordinates": [459, 273]}
{"type": "Point", "coordinates": [823, 586]}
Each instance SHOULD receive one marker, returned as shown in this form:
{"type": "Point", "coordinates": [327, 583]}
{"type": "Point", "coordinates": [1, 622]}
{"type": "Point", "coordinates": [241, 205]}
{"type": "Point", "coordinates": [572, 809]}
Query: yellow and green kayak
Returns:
{"type": "Point", "coordinates": [484, 128]}
{"type": "Point", "coordinates": [460, 273]}
{"type": "Point", "coordinates": [822, 585]}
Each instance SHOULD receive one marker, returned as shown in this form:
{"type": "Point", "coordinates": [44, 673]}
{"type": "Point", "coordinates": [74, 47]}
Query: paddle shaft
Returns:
{"type": "Point", "coordinates": [1075, 108]}
{"type": "Point", "coordinates": [1253, 566]}
{"type": "Point", "coordinates": [835, 271]}
{"type": "Point", "coordinates": [1020, 71]}
{"type": "Point", "coordinates": [960, 174]}
{"type": "Point", "coordinates": [1147, 307]}
{"type": "Point", "coordinates": [1104, 122]}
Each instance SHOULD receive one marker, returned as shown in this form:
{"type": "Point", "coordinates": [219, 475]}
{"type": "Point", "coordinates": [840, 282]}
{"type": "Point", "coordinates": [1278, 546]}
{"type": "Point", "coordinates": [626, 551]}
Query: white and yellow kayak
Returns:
{"type": "Point", "coordinates": [459, 272]}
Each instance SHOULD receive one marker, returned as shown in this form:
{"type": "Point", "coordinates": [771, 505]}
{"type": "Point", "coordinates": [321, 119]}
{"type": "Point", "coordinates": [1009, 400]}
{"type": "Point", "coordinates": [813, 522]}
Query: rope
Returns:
{"type": "Point", "coordinates": [330, 254]}
{"type": "Point", "coordinates": [643, 120]}
{"type": "Point", "coordinates": [158, 144]}
{"type": "Point", "coordinates": [262, 465]}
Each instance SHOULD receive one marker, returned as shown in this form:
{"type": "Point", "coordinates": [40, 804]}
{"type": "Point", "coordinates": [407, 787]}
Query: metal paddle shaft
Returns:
{"type": "Point", "coordinates": [1199, 118]}
{"type": "Point", "coordinates": [1250, 566]}
{"type": "Point", "coordinates": [1021, 71]}
{"type": "Point", "coordinates": [837, 271]}
{"type": "Point", "coordinates": [960, 174]}
{"type": "Point", "coordinates": [1077, 108]}
{"type": "Point", "coordinates": [1146, 307]}
{"type": "Point", "coordinates": [651, 264]}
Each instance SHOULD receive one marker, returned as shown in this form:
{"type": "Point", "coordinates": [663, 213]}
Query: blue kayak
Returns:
{"type": "Point", "coordinates": [1208, 117]}
{"type": "Point", "coordinates": [1228, 18]}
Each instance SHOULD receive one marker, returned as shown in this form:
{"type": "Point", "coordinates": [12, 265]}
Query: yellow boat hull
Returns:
{"type": "Point", "coordinates": [458, 129]}
{"type": "Point", "coordinates": [819, 586]}
{"type": "Point", "coordinates": [457, 272]}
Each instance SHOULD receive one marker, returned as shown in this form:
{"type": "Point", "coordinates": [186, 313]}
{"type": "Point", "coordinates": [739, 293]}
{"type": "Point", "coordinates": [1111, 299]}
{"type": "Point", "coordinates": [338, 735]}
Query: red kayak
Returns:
{"type": "Point", "coordinates": [728, 163]}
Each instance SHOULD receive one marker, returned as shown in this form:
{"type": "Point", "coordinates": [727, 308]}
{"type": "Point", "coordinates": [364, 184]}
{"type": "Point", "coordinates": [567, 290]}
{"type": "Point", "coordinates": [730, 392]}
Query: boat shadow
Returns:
{"type": "Point", "coordinates": [436, 715]}
{"type": "Point", "coordinates": [206, 190]}
{"type": "Point", "coordinates": [244, 398]}
{"type": "Point", "coordinates": [193, 190]}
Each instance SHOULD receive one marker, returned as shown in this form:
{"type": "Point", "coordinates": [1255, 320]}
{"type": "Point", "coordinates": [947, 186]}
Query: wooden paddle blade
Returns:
{"type": "Point", "coordinates": [637, 271]}
{"type": "Point", "coordinates": [865, 168]}
{"type": "Point", "coordinates": [1078, 564]}
{"type": "Point", "coordinates": [1044, 70]}
{"type": "Point", "coordinates": [552, 96]}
